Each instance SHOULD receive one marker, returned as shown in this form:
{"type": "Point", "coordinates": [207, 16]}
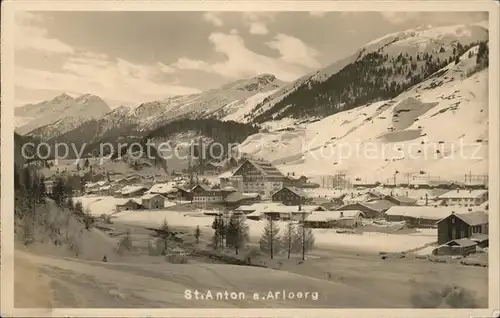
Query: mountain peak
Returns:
{"type": "Point", "coordinates": [266, 76]}
{"type": "Point", "coordinates": [62, 98]}
{"type": "Point", "coordinates": [88, 98]}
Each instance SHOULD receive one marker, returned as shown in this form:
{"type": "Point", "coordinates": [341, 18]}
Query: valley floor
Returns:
{"type": "Point", "coordinates": [48, 276]}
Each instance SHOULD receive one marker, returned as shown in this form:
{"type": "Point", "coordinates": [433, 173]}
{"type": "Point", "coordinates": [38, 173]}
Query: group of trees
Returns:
{"type": "Point", "coordinates": [30, 194]}
{"type": "Point", "coordinates": [231, 231]}
{"type": "Point", "coordinates": [224, 133]}
{"type": "Point", "coordinates": [372, 77]}
{"type": "Point", "coordinates": [297, 238]}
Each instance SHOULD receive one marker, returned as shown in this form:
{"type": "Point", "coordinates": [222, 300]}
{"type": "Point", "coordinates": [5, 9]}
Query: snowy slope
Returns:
{"type": "Point", "coordinates": [315, 90]}
{"type": "Point", "coordinates": [448, 112]}
{"type": "Point", "coordinates": [61, 114]}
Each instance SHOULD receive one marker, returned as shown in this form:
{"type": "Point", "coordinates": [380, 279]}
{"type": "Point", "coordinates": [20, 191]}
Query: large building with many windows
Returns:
{"type": "Point", "coordinates": [258, 176]}
{"type": "Point", "coordinates": [464, 198]}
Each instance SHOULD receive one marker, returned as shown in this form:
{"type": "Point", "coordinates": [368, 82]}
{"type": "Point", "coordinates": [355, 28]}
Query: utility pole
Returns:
{"type": "Point", "coordinates": [201, 153]}
{"type": "Point", "coordinates": [303, 237]}
{"type": "Point", "coordinates": [190, 168]}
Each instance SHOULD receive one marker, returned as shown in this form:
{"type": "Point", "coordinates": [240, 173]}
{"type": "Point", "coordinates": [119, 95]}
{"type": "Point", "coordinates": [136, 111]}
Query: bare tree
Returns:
{"type": "Point", "coordinates": [237, 232]}
{"type": "Point", "coordinates": [288, 238]}
{"type": "Point", "coordinates": [306, 237]}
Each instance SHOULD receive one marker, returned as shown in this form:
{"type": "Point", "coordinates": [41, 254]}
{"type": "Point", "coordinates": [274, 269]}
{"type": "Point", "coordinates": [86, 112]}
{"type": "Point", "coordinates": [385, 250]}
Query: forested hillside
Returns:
{"type": "Point", "coordinates": [371, 78]}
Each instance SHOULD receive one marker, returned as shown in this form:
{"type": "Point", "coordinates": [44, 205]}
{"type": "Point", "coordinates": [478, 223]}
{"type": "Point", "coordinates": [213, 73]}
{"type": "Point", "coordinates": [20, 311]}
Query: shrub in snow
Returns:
{"type": "Point", "coordinates": [447, 297]}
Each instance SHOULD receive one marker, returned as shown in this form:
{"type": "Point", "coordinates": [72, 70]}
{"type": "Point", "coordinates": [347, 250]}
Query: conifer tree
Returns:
{"type": "Point", "coordinates": [237, 233]}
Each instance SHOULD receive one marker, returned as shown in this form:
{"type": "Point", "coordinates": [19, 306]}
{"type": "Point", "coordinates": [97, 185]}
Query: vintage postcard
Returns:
{"type": "Point", "coordinates": [249, 158]}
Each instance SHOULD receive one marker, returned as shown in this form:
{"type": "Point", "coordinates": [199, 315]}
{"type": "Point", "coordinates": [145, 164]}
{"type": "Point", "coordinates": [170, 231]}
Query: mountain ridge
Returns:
{"type": "Point", "coordinates": [59, 115]}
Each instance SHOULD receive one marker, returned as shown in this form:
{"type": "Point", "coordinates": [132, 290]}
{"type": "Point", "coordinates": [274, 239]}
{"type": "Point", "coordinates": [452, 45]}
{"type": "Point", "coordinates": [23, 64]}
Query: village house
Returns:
{"type": "Point", "coordinates": [372, 209]}
{"type": "Point", "coordinates": [131, 204]}
{"type": "Point", "coordinates": [458, 226]}
{"type": "Point", "coordinates": [361, 196]}
{"type": "Point", "coordinates": [153, 201]}
{"type": "Point", "coordinates": [255, 211]}
{"type": "Point", "coordinates": [421, 216]}
{"type": "Point", "coordinates": [258, 176]}
{"type": "Point", "coordinates": [295, 181]}
{"type": "Point", "coordinates": [330, 219]}
{"type": "Point", "coordinates": [283, 212]}
{"type": "Point", "coordinates": [184, 194]}
{"type": "Point", "coordinates": [300, 212]}
{"type": "Point", "coordinates": [401, 200]}
{"type": "Point", "coordinates": [431, 183]}
{"type": "Point", "coordinates": [235, 199]}
{"type": "Point", "coordinates": [260, 210]}
{"type": "Point", "coordinates": [465, 198]}
{"type": "Point", "coordinates": [291, 196]}
{"type": "Point", "coordinates": [203, 194]}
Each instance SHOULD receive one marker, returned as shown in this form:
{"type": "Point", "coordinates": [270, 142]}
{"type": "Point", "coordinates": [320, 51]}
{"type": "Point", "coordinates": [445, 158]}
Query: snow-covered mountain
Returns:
{"type": "Point", "coordinates": [381, 69]}
{"type": "Point", "coordinates": [59, 115]}
{"type": "Point", "coordinates": [228, 102]}
{"type": "Point", "coordinates": [220, 103]}
{"type": "Point", "coordinates": [437, 128]}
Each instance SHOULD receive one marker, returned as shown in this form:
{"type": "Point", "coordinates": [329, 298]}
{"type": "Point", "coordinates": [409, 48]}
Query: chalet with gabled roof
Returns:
{"type": "Point", "coordinates": [463, 225]}
{"type": "Point", "coordinates": [291, 196]}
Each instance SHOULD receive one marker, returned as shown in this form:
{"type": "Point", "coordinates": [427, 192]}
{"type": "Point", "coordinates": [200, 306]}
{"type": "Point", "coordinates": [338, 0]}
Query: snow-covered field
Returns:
{"type": "Point", "coordinates": [367, 242]}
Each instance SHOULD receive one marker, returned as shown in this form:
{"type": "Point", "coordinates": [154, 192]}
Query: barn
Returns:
{"type": "Point", "coordinates": [131, 204]}
{"type": "Point", "coordinates": [291, 196]}
{"type": "Point", "coordinates": [372, 209]}
{"type": "Point", "coordinates": [463, 246]}
{"type": "Point", "coordinates": [457, 226]}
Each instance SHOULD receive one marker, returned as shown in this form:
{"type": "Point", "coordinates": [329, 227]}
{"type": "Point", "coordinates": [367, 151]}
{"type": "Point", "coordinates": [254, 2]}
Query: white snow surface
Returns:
{"type": "Point", "coordinates": [327, 238]}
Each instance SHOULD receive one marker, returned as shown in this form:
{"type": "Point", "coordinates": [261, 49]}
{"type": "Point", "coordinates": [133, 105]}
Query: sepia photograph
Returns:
{"type": "Point", "coordinates": [304, 159]}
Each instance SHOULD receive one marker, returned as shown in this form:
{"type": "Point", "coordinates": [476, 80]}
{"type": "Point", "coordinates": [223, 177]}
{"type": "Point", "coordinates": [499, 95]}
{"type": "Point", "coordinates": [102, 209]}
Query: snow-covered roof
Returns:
{"type": "Point", "coordinates": [305, 208]}
{"type": "Point", "coordinates": [238, 196]}
{"type": "Point", "coordinates": [226, 174]}
{"type": "Point", "coordinates": [255, 214]}
{"type": "Point", "coordinates": [464, 242]}
{"type": "Point", "coordinates": [132, 189]}
{"type": "Point", "coordinates": [246, 208]}
{"type": "Point", "coordinates": [124, 202]}
{"type": "Point", "coordinates": [150, 196]}
{"type": "Point", "coordinates": [463, 194]}
{"type": "Point", "coordinates": [474, 218]}
{"type": "Point", "coordinates": [163, 188]}
{"type": "Point", "coordinates": [263, 207]}
{"type": "Point", "coordinates": [333, 215]}
{"type": "Point", "coordinates": [427, 212]}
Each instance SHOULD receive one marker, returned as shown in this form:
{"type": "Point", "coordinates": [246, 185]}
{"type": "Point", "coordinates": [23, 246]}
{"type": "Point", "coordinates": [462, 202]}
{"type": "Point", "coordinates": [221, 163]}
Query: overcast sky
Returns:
{"type": "Point", "coordinates": [133, 57]}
